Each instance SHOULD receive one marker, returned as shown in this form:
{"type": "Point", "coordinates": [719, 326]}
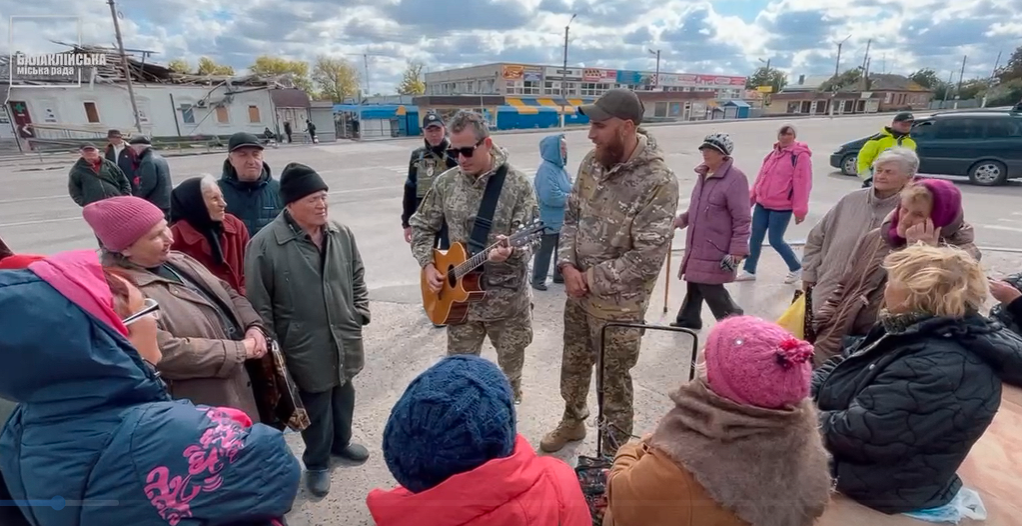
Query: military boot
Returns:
{"type": "Point", "coordinates": [566, 431]}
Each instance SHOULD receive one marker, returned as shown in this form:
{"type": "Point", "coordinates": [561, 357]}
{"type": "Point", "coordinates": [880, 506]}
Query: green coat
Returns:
{"type": "Point", "coordinates": [315, 308]}
{"type": "Point", "coordinates": [86, 186]}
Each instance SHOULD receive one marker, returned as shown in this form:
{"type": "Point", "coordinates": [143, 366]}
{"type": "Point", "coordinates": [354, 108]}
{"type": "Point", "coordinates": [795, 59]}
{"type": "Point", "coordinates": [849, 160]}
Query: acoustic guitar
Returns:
{"type": "Point", "coordinates": [462, 285]}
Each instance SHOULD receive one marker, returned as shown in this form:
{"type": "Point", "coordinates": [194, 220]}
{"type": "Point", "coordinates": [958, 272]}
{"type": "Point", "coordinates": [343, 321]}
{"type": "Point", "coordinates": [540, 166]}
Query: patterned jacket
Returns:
{"type": "Point", "coordinates": [455, 198]}
{"type": "Point", "coordinates": [618, 227]}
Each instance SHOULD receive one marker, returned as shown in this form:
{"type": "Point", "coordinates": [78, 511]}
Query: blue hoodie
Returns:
{"type": "Point", "coordinates": [95, 424]}
{"type": "Point", "coordinates": [553, 185]}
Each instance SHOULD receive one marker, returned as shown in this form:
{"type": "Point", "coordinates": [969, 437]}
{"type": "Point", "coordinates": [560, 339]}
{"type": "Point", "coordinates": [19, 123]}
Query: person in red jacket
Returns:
{"type": "Point", "coordinates": [204, 230]}
{"type": "Point", "coordinates": [11, 261]}
{"type": "Point", "coordinates": [452, 446]}
{"type": "Point", "coordinates": [781, 191]}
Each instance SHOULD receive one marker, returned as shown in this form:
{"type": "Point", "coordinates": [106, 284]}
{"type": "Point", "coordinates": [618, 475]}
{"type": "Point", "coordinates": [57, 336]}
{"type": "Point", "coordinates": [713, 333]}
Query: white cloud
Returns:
{"type": "Point", "coordinates": [797, 35]}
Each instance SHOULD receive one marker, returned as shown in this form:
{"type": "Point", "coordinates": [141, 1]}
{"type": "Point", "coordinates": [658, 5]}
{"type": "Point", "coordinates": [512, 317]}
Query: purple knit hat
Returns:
{"type": "Point", "coordinates": [947, 206]}
{"type": "Point", "coordinates": [755, 362]}
{"type": "Point", "coordinates": [119, 222]}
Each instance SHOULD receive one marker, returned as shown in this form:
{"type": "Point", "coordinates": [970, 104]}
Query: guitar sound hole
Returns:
{"type": "Point", "coordinates": [451, 279]}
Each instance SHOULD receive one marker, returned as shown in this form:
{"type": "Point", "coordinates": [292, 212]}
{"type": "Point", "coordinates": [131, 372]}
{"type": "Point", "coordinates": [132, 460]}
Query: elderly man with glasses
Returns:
{"type": "Point", "coordinates": [459, 199]}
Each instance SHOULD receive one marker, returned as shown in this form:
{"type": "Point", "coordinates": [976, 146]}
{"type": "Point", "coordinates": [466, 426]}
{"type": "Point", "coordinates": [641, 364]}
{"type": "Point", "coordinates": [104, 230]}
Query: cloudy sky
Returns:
{"type": "Point", "coordinates": [722, 36]}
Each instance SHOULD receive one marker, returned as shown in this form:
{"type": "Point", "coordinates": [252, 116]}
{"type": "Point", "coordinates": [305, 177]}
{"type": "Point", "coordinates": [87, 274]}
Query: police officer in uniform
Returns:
{"type": "Point", "coordinates": [427, 163]}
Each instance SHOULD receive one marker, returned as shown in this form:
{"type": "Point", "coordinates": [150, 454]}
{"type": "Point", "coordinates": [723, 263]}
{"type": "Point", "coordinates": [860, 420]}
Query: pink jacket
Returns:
{"type": "Point", "coordinates": [718, 223]}
{"type": "Point", "coordinates": [785, 179]}
{"type": "Point", "coordinates": [522, 489]}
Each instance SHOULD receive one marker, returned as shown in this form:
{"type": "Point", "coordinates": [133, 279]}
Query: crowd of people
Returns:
{"type": "Point", "coordinates": [168, 365]}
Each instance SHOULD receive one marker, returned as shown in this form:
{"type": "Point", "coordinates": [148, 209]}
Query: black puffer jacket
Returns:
{"type": "Point", "coordinates": [900, 411]}
{"type": "Point", "coordinates": [1010, 315]}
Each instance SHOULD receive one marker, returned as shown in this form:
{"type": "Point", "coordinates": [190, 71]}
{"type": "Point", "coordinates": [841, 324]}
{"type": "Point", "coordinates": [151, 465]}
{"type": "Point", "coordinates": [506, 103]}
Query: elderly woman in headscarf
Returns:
{"type": "Point", "coordinates": [204, 230]}
{"type": "Point", "coordinates": [831, 243]}
{"type": "Point", "coordinates": [207, 329]}
{"type": "Point", "coordinates": [930, 212]}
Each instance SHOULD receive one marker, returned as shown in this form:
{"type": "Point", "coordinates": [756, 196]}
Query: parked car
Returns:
{"type": "Point", "coordinates": [983, 145]}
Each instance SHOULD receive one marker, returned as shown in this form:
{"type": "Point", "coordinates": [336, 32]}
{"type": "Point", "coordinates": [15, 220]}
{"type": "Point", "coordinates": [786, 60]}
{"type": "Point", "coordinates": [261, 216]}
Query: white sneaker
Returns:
{"type": "Point", "coordinates": [793, 277]}
{"type": "Point", "coordinates": [745, 276]}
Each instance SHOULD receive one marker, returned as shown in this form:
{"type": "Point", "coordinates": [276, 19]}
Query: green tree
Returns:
{"type": "Point", "coordinates": [275, 66]}
{"type": "Point", "coordinates": [337, 78]}
{"type": "Point", "coordinates": [929, 79]}
{"type": "Point", "coordinates": [971, 89]}
{"type": "Point", "coordinates": [1012, 70]}
{"type": "Point", "coordinates": [764, 76]}
{"type": "Point", "coordinates": [412, 83]}
{"type": "Point", "coordinates": [179, 65]}
{"type": "Point", "coordinates": [851, 78]}
{"type": "Point", "coordinates": [208, 67]}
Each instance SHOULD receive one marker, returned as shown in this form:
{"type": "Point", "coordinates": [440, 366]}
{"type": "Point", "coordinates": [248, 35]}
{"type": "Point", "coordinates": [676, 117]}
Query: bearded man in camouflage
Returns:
{"type": "Point", "coordinates": [505, 314]}
{"type": "Point", "coordinates": [618, 227]}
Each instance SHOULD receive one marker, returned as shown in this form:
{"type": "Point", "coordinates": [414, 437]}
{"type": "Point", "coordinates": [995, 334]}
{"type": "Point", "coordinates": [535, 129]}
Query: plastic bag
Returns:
{"type": "Point", "coordinates": [966, 505]}
{"type": "Point", "coordinates": [794, 319]}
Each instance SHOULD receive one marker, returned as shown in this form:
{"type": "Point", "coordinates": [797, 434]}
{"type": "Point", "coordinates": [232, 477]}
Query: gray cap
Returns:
{"type": "Point", "coordinates": [618, 102]}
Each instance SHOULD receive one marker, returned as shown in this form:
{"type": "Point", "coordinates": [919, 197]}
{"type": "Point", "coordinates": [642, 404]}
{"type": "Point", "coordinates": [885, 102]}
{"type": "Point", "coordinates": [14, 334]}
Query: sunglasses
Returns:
{"type": "Point", "coordinates": [466, 152]}
{"type": "Point", "coordinates": [151, 308]}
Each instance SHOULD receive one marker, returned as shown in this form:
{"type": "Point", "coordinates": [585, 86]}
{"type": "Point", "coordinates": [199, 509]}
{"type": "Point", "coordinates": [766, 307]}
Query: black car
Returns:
{"type": "Point", "coordinates": [983, 145]}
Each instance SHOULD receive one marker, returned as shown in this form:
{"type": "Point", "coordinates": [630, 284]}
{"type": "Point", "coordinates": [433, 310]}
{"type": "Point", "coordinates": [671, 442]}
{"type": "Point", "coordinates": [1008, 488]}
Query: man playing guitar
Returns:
{"type": "Point", "coordinates": [483, 184]}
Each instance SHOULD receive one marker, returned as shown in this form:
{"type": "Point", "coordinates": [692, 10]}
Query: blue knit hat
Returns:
{"type": "Point", "coordinates": [456, 416]}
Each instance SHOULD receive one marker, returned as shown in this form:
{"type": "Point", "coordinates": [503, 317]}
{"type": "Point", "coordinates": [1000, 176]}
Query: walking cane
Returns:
{"type": "Point", "coordinates": [667, 277]}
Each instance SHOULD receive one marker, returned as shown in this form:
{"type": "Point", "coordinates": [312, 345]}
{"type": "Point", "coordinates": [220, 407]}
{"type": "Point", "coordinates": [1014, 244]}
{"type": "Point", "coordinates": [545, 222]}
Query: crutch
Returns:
{"type": "Point", "coordinates": [601, 420]}
{"type": "Point", "coordinates": [667, 279]}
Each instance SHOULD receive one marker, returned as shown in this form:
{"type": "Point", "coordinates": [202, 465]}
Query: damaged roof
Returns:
{"type": "Point", "coordinates": [142, 72]}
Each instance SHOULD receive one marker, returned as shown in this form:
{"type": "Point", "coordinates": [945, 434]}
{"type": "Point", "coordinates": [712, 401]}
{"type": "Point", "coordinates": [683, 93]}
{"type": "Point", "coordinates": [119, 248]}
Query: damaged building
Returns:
{"type": "Point", "coordinates": [42, 112]}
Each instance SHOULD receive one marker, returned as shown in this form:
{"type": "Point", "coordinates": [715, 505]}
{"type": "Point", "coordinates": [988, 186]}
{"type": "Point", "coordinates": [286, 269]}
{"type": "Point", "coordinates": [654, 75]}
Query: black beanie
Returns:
{"type": "Point", "coordinates": [298, 181]}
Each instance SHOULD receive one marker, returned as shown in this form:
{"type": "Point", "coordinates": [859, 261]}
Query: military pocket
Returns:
{"type": "Point", "coordinates": [502, 276]}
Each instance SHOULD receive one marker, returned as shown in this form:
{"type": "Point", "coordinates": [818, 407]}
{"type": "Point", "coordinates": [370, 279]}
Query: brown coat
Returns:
{"type": "Point", "coordinates": [712, 462]}
{"type": "Point", "coordinates": [853, 307]}
{"type": "Point", "coordinates": [199, 362]}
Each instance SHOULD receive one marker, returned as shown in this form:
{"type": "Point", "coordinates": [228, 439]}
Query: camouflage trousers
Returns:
{"type": "Point", "coordinates": [621, 352]}
{"type": "Point", "coordinates": [509, 337]}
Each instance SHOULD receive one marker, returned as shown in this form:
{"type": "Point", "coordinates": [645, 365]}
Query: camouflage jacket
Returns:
{"type": "Point", "coordinates": [455, 197]}
{"type": "Point", "coordinates": [618, 227]}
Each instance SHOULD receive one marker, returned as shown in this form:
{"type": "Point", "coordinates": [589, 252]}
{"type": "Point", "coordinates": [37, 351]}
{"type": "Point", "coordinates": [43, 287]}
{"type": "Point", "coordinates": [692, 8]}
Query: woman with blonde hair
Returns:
{"type": "Point", "coordinates": [901, 409]}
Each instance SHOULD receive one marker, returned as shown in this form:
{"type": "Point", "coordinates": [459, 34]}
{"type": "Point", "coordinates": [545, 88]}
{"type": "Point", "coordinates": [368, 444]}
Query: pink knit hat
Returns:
{"type": "Point", "coordinates": [754, 362]}
{"type": "Point", "coordinates": [119, 222]}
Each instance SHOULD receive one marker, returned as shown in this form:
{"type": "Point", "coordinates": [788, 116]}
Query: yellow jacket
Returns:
{"type": "Point", "coordinates": [877, 144]}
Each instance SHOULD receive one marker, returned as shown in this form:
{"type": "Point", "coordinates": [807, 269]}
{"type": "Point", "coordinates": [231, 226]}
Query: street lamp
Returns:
{"type": "Point", "coordinates": [656, 78]}
{"type": "Point", "coordinates": [564, 72]}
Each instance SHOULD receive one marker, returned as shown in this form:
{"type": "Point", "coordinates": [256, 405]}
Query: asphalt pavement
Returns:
{"type": "Point", "coordinates": [36, 215]}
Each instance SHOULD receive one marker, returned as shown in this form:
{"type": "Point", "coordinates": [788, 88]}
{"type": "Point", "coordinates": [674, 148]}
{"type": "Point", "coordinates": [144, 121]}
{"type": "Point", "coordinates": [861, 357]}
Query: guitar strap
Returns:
{"type": "Point", "coordinates": [484, 218]}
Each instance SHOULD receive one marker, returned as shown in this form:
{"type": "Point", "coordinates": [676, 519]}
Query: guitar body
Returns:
{"type": "Point", "coordinates": [450, 305]}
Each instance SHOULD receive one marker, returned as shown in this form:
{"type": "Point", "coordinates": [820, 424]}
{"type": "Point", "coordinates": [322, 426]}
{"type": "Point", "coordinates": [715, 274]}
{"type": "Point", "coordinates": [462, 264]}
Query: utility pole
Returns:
{"type": "Point", "coordinates": [947, 89]}
{"type": "Point", "coordinates": [124, 63]}
{"type": "Point", "coordinates": [837, 64]}
{"type": "Point", "coordinates": [656, 78]}
{"type": "Point", "coordinates": [990, 81]}
{"type": "Point", "coordinates": [961, 77]}
{"type": "Point", "coordinates": [564, 72]}
{"type": "Point", "coordinates": [865, 64]}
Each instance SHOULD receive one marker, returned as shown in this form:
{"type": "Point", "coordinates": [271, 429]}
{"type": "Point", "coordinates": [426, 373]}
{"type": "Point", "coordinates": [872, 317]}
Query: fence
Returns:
{"type": "Point", "coordinates": [955, 104]}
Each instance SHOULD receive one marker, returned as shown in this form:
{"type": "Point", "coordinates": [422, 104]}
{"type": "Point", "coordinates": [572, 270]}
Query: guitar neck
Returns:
{"type": "Point", "coordinates": [474, 262]}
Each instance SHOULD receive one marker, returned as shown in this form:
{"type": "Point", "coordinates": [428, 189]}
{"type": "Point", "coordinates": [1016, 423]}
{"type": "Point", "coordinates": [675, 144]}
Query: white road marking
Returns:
{"type": "Point", "coordinates": [1001, 227]}
{"type": "Point", "coordinates": [43, 198]}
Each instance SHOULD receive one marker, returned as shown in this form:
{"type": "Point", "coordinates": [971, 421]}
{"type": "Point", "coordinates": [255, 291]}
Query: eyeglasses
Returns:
{"type": "Point", "coordinates": [467, 151]}
{"type": "Point", "coordinates": [152, 308]}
